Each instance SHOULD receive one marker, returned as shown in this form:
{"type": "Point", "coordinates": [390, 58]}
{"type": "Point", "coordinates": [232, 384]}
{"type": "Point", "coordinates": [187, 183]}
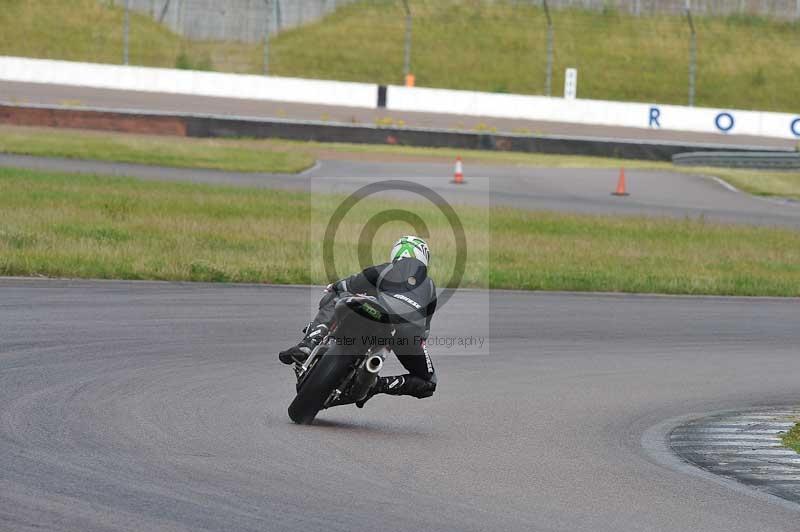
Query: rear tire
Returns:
{"type": "Point", "coordinates": [325, 376]}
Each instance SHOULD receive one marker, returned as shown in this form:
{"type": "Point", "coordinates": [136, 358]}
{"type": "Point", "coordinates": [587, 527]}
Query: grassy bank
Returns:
{"type": "Point", "coordinates": [501, 47]}
{"type": "Point", "coordinates": [280, 156]}
{"type": "Point", "coordinates": [98, 227]}
{"type": "Point", "coordinates": [92, 30]}
{"type": "Point", "coordinates": [792, 438]}
{"type": "Point", "coordinates": [759, 182]}
{"type": "Point", "coordinates": [743, 62]}
{"type": "Point", "coordinates": [154, 150]}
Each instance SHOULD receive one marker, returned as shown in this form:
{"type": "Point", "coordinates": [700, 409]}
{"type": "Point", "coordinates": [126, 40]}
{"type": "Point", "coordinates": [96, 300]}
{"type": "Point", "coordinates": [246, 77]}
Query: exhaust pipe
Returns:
{"type": "Point", "coordinates": [366, 376]}
{"type": "Point", "coordinates": [374, 364]}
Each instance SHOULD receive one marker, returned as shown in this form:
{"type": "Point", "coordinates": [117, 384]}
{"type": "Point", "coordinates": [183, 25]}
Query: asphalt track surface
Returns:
{"type": "Point", "coordinates": [82, 97]}
{"type": "Point", "coordinates": [155, 406]}
{"type": "Point", "coordinates": [582, 191]}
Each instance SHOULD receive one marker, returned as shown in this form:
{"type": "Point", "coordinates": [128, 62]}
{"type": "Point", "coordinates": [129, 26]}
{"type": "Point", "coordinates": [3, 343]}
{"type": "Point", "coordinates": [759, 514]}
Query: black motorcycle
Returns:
{"type": "Point", "coordinates": [344, 366]}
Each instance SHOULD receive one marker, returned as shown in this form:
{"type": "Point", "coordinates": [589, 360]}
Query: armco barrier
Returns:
{"type": "Point", "coordinates": [220, 126]}
{"type": "Point", "coordinates": [758, 159]}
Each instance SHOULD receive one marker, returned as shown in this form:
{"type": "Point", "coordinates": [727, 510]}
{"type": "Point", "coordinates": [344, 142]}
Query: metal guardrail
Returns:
{"type": "Point", "coordinates": [765, 160]}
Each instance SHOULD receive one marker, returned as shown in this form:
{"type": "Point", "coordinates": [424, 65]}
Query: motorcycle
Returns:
{"type": "Point", "coordinates": [344, 366]}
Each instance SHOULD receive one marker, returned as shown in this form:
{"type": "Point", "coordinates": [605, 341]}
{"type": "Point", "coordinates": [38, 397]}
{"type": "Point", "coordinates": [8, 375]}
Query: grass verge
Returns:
{"type": "Point", "coordinates": [100, 227]}
{"type": "Point", "coordinates": [282, 156]}
{"type": "Point", "coordinates": [792, 438]}
{"type": "Point", "coordinates": [218, 154]}
{"type": "Point", "coordinates": [783, 184]}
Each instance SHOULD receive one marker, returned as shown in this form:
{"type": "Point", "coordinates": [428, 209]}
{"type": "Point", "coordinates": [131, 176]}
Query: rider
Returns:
{"type": "Point", "coordinates": [406, 279]}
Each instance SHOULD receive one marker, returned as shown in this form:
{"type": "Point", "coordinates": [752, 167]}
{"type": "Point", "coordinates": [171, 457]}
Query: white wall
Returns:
{"type": "Point", "coordinates": [596, 112]}
{"type": "Point", "coordinates": [188, 82]}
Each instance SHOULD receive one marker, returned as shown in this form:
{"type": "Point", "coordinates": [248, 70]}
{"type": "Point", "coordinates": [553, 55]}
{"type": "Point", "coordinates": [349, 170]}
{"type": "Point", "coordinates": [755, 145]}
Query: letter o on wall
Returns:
{"type": "Point", "coordinates": [794, 126]}
{"type": "Point", "coordinates": [724, 122]}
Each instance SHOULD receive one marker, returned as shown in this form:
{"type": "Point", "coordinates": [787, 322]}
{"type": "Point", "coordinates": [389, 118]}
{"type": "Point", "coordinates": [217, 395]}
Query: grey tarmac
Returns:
{"type": "Point", "coordinates": [161, 406]}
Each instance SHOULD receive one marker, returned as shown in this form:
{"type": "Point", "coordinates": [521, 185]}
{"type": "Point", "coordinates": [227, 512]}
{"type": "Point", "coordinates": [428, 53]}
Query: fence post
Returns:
{"type": "Point", "coordinates": [126, 33]}
{"type": "Point", "coordinates": [548, 80]}
{"type": "Point", "coordinates": [407, 48]}
{"type": "Point", "coordinates": [268, 20]}
{"type": "Point", "coordinates": [692, 52]}
{"type": "Point", "coordinates": [163, 13]}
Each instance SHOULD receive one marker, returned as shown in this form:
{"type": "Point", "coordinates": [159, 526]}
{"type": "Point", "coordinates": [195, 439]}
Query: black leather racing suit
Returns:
{"type": "Point", "coordinates": [407, 281]}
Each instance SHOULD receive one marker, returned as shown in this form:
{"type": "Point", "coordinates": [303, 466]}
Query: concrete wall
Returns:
{"type": "Point", "coordinates": [187, 82]}
{"type": "Point", "coordinates": [600, 112]}
{"type": "Point", "coordinates": [233, 20]}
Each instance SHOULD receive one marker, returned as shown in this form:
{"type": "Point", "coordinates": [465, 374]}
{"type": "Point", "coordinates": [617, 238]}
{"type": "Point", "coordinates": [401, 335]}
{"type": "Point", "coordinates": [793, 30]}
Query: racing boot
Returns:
{"type": "Point", "coordinates": [297, 354]}
{"type": "Point", "coordinates": [400, 385]}
{"type": "Point", "coordinates": [380, 386]}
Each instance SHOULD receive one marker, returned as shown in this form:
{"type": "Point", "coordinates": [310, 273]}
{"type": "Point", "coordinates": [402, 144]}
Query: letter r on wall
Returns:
{"type": "Point", "coordinates": [655, 113]}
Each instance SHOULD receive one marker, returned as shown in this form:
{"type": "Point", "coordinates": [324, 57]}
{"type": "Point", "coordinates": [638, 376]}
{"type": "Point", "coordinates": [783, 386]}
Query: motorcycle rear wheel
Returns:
{"type": "Point", "coordinates": [327, 373]}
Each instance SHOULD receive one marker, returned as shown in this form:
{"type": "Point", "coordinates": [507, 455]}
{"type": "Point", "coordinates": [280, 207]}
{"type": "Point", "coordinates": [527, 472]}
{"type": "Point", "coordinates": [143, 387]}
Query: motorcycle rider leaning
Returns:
{"type": "Point", "coordinates": [404, 279]}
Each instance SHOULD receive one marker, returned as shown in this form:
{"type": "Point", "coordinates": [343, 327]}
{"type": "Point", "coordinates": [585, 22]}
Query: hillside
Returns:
{"type": "Point", "coordinates": [743, 62]}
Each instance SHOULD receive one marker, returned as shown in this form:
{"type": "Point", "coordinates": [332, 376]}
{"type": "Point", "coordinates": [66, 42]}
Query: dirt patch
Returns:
{"type": "Point", "coordinates": [105, 121]}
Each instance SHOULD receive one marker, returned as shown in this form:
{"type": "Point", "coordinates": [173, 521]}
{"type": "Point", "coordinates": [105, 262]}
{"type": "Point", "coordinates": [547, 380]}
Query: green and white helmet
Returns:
{"type": "Point", "coordinates": [412, 247]}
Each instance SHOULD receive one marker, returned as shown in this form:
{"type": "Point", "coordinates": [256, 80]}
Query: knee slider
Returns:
{"type": "Point", "coordinates": [419, 388]}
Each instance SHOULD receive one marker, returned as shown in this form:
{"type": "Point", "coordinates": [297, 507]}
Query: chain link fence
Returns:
{"type": "Point", "coordinates": [780, 9]}
{"type": "Point", "coordinates": [248, 20]}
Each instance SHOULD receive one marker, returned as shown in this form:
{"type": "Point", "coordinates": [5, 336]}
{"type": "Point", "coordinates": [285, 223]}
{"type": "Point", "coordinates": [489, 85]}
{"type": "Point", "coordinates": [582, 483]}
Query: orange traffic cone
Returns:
{"type": "Point", "coordinates": [458, 177]}
{"type": "Point", "coordinates": [621, 185]}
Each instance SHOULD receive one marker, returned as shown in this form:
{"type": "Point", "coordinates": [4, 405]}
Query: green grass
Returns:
{"type": "Point", "coordinates": [792, 438]}
{"type": "Point", "coordinates": [92, 30]}
{"type": "Point", "coordinates": [743, 62]}
{"type": "Point", "coordinates": [759, 182]}
{"type": "Point", "coordinates": [100, 227]}
{"type": "Point", "coordinates": [164, 151]}
{"type": "Point", "coordinates": [280, 156]}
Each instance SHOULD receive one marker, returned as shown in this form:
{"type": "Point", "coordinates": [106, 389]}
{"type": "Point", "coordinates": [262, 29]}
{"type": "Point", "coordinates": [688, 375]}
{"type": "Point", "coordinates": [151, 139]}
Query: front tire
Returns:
{"type": "Point", "coordinates": [325, 376]}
